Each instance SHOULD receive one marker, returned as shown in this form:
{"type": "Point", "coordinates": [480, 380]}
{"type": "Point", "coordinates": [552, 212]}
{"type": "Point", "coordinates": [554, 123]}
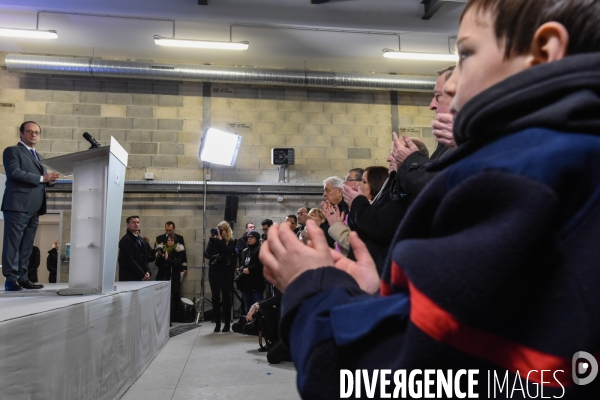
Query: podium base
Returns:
{"type": "Point", "coordinates": [79, 291]}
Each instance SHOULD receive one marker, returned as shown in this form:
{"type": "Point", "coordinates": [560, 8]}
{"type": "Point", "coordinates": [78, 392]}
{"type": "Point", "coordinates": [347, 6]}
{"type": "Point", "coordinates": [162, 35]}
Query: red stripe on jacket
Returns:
{"type": "Point", "coordinates": [444, 327]}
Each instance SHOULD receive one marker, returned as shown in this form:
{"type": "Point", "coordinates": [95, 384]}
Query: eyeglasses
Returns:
{"type": "Point", "coordinates": [348, 179]}
{"type": "Point", "coordinates": [29, 132]}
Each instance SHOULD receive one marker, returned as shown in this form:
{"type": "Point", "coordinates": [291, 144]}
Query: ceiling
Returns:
{"type": "Point", "coordinates": [133, 38]}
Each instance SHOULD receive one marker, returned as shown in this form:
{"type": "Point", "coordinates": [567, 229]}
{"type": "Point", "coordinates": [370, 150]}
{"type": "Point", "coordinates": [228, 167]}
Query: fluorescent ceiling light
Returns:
{"type": "Point", "coordinates": [28, 33]}
{"type": "Point", "coordinates": [404, 55]}
{"type": "Point", "coordinates": [219, 147]}
{"type": "Point", "coordinates": [201, 44]}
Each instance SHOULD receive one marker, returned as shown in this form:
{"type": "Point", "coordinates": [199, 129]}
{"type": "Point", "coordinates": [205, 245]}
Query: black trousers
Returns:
{"type": "Point", "coordinates": [221, 281]}
{"type": "Point", "coordinates": [19, 234]}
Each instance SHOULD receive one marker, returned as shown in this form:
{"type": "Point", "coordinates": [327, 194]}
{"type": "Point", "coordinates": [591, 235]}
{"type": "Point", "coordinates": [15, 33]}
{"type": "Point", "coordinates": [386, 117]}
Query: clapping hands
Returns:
{"type": "Point", "coordinates": [285, 258]}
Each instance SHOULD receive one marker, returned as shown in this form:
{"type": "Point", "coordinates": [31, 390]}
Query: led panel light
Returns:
{"type": "Point", "coordinates": [28, 33]}
{"type": "Point", "coordinates": [219, 147]}
{"type": "Point", "coordinates": [200, 44]}
{"type": "Point", "coordinates": [404, 55]}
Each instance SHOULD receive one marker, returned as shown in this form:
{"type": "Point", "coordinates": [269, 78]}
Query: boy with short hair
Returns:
{"type": "Point", "coordinates": [499, 255]}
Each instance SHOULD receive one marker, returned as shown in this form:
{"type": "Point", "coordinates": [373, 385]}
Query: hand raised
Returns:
{"type": "Point", "coordinates": [332, 213]}
{"type": "Point", "coordinates": [350, 194]}
{"type": "Point", "coordinates": [363, 270]}
{"type": "Point", "coordinates": [442, 129]}
{"type": "Point", "coordinates": [401, 149]}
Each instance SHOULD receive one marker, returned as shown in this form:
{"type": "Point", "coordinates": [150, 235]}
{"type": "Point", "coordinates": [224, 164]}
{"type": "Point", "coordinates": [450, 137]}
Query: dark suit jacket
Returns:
{"type": "Point", "coordinates": [162, 239]}
{"type": "Point", "coordinates": [133, 262]}
{"type": "Point", "coordinates": [24, 192]}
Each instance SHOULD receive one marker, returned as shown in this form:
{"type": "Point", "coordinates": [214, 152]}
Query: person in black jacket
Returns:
{"type": "Point", "coordinates": [242, 242]}
{"type": "Point", "coordinates": [52, 262]}
{"type": "Point", "coordinates": [412, 173]}
{"type": "Point", "coordinates": [221, 253]}
{"type": "Point", "coordinates": [34, 264]}
{"type": "Point", "coordinates": [133, 259]}
{"type": "Point", "coordinates": [162, 239]}
{"type": "Point", "coordinates": [252, 282]}
{"type": "Point", "coordinates": [169, 260]}
{"type": "Point", "coordinates": [377, 219]}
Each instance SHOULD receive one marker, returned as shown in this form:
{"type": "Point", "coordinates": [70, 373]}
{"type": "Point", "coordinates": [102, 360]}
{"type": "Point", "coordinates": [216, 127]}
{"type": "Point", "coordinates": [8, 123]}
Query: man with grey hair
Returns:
{"type": "Point", "coordinates": [411, 173]}
{"type": "Point", "coordinates": [333, 192]}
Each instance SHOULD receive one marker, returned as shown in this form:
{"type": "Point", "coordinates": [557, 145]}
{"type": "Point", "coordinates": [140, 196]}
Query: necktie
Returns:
{"type": "Point", "coordinates": [35, 156]}
{"type": "Point", "coordinates": [139, 242]}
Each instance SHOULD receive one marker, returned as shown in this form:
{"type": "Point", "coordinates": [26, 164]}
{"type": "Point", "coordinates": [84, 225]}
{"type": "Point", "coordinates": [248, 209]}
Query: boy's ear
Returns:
{"type": "Point", "coordinates": [550, 43]}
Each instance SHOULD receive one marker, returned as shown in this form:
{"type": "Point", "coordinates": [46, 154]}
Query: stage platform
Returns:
{"type": "Point", "coordinates": [80, 347]}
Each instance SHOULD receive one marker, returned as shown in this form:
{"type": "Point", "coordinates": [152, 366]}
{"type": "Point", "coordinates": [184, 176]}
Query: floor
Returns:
{"type": "Point", "coordinates": [201, 364]}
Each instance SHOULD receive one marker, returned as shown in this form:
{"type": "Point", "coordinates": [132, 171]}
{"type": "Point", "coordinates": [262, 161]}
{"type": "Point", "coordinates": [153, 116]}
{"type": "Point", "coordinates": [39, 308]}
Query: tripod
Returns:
{"type": "Point", "coordinates": [199, 304]}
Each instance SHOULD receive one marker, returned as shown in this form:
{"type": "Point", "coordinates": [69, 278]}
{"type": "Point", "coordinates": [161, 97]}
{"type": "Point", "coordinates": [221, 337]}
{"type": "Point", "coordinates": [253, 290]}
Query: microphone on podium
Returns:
{"type": "Point", "coordinates": [92, 141]}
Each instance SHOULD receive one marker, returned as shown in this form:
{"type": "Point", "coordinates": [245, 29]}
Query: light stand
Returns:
{"type": "Point", "coordinates": [217, 147]}
{"type": "Point", "coordinates": [202, 298]}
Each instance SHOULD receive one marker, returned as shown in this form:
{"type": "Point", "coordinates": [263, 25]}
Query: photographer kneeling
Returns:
{"type": "Point", "coordinates": [265, 314]}
{"type": "Point", "coordinates": [169, 259]}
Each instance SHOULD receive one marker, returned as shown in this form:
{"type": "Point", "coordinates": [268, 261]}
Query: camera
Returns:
{"type": "Point", "coordinates": [160, 250]}
{"type": "Point", "coordinates": [213, 231]}
{"type": "Point", "coordinates": [281, 156]}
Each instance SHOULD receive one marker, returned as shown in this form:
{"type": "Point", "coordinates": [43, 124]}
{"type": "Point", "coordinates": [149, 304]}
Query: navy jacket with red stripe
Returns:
{"type": "Point", "coordinates": [496, 265]}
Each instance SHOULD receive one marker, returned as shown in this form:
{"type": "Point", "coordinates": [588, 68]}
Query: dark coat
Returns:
{"type": "Point", "coordinates": [412, 175]}
{"type": "Point", "coordinates": [24, 192]}
{"type": "Point", "coordinates": [226, 252]}
{"type": "Point", "coordinates": [52, 260]}
{"type": "Point", "coordinates": [255, 280]}
{"type": "Point", "coordinates": [150, 254]}
{"type": "Point", "coordinates": [34, 264]}
{"type": "Point", "coordinates": [242, 243]}
{"type": "Point", "coordinates": [170, 269]}
{"type": "Point", "coordinates": [377, 223]}
{"type": "Point", "coordinates": [162, 239]}
{"type": "Point", "coordinates": [133, 259]}
{"type": "Point", "coordinates": [495, 265]}
{"type": "Point", "coordinates": [52, 264]}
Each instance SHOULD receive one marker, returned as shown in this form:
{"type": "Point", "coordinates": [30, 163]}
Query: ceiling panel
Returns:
{"type": "Point", "coordinates": [273, 48]}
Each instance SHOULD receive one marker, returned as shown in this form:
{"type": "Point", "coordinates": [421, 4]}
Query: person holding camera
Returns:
{"type": "Point", "coordinates": [169, 260]}
{"type": "Point", "coordinates": [250, 281]}
{"type": "Point", "coordinates": [220, 250]}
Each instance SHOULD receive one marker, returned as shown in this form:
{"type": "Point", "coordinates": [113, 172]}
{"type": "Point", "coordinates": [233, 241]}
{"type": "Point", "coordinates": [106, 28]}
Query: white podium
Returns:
{"type": "Point", "coordinates": [97, 199]}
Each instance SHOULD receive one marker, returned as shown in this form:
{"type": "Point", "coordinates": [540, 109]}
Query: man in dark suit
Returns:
{"type": "Point", "coordinates": [52, 262]}
{"type": "Point", "coordinates": [133, 261]}
{"type": "Point", "coordinates": [162, 239]}
{"type": "Point", "coordinates": [23, 202]}
{"type": "Point", "coordinates": [34, 264]}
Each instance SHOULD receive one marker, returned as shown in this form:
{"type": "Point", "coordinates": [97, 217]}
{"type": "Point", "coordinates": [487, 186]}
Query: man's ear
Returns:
{"type": "Point", "coordinates": [550, 43]}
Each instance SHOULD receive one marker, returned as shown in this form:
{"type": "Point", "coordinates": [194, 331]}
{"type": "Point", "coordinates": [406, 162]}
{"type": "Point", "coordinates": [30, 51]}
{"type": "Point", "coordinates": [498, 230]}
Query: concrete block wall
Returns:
{"type": "Point", "coordinates": [160, 124]}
